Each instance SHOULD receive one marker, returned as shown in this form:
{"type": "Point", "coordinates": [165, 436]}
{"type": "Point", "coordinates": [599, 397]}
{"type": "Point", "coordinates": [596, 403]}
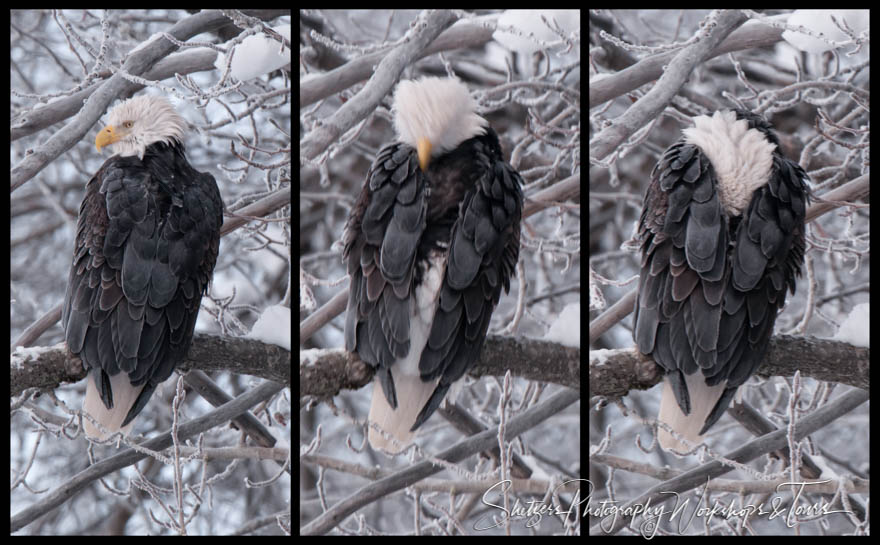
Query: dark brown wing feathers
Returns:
{"type": "Point", "coordinates": [711, 285]}
{"type": "Point", "coordinates": [146, 244]}
{"type": "Point", "coordinates": [467, 209]}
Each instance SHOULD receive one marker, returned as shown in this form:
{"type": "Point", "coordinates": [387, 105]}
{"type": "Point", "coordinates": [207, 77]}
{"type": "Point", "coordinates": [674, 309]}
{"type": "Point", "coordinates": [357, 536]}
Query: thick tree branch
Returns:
{"type": "Point", "coordinates": [325, 373]}
{"type": "Point", "coordinates": [52, 366]}
{"type": "Point", "coordinates": [613, 373]}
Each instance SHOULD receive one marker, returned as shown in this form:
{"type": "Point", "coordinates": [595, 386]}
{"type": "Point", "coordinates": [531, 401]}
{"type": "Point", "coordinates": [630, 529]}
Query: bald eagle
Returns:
{"type": "Point", "coordinates": [722, 239]}
{"type": "Point", "coordinates": [430, 243]}
{"type": "Point", "coordinates": [146, 244]}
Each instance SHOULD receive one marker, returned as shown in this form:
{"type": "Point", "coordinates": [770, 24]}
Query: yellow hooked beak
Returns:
{"type": "Point", "coordinates": [424, 149]}
{"type": "Point", "coordinates": [106, 136]}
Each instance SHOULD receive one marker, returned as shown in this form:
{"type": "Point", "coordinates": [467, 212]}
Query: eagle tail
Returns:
{"type": "Point", "coordinates": [124, 396]}
{"type": "Point", "coordinates": [412, 395]}
{"type": "Point", "coordinates": [703, 400]}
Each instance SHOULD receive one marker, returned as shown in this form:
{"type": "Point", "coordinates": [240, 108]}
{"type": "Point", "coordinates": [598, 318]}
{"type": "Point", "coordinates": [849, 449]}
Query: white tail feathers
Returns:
{"type": "Point", "coordinates": [124, 396]}
{"type": "Point", "coordinates": [703, 399]}
{"type": "Point", "coordinates": [412, 394]}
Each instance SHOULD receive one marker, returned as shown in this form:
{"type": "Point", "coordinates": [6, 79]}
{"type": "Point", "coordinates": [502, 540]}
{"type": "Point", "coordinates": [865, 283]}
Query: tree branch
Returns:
{"type": "Point", "coordinates": [613, 373]}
